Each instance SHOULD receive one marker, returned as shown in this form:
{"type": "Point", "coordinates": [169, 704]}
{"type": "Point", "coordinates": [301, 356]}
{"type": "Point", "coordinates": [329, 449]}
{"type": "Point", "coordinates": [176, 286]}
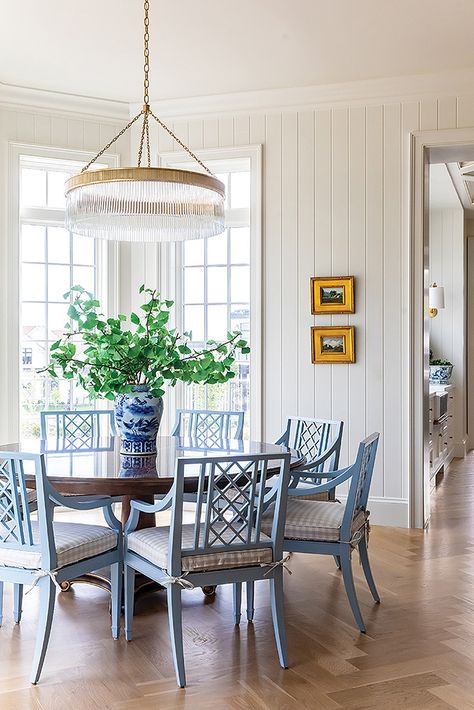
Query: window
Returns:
{"type": "Point", "coordinates": [52, 260]}
{"type": "Point", "coordinates": [216, 294]}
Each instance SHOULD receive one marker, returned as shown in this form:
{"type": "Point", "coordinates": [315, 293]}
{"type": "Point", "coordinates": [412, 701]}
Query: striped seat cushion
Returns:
{"type": "Point", "coordinates": [74, 542]}
{"type": "Point", "coordinates": [314, 520]}
{"type": "Point", "coordinates": [152, 544]}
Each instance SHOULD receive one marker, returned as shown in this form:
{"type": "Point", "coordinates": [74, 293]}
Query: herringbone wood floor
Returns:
{"type": "Point", "coordinates": [418, 653]}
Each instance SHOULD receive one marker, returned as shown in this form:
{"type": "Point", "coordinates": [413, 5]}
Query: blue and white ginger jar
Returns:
{"type": "Point", "coordinates": [138, 416]}
{"type": "Point", "coordinates": [440, 374]}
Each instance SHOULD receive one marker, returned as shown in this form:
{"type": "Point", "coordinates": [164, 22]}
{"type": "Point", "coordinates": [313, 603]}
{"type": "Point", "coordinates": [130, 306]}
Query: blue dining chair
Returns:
{"type": "Point", "coordinates": [319, 441]}
{"type": "Point", "coordinates": [77, 423]}
{"type": "Point", "coordinates": [208, 425]}
{"type": "Point", "coordinates": [321, 527]}
{"type": "Point", "coordinates": [224, 545]}
{"type": "Point", "coordinates": [44, 553]}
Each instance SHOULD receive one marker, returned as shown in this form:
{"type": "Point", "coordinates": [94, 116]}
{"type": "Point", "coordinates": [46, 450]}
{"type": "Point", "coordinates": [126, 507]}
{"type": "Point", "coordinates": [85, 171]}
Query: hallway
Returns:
{"type": "Point", "coordinates": [418, 653]}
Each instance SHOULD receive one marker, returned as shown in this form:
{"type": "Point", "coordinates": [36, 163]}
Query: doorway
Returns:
{"type": "Point", "coordinates": [443, 149]}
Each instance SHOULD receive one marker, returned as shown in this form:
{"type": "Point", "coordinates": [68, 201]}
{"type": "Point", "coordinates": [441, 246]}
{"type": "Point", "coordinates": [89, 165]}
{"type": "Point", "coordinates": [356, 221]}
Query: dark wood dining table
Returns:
{"type": "Point", "coordinates": [95, 466]}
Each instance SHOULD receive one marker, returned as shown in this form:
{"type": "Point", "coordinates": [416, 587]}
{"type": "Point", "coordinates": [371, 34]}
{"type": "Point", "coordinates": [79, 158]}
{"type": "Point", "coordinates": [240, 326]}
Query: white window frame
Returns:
{"type": "Point", "coordinates": [106, 267]}
{"type": "Point", "coordinates": [171, 277]}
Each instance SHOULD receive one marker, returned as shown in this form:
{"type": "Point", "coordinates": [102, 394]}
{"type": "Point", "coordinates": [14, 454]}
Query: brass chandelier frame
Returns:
{"type": "Point", "coordinates": [147, 173]}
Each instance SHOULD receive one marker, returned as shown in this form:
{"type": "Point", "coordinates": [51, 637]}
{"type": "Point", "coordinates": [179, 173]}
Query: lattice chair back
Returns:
{"type": "Point", "coordinates": [80, 424]}
{"type": "Point", "coordinates": [359, 483]}
{"type": "Point", "coordinates": [16, 530]}
{"type": "Point", "coordinates": [208, 426]}
{"type": "Point", "coordinates": [318, 440]}
{"type": "Point", "coordinates": [229, 506]}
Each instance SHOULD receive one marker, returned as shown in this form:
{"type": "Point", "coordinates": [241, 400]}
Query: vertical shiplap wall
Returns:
{"type": "Point", "coordinates": [336, 183]}
{"type": "Point", "coordinates": [66, 131]}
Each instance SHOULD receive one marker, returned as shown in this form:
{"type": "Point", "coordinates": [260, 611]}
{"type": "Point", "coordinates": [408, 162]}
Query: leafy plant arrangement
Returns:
{"type": "Point", "coordinates": [109, 356]}
{"type": "Point", "coordinates": [446, 363]}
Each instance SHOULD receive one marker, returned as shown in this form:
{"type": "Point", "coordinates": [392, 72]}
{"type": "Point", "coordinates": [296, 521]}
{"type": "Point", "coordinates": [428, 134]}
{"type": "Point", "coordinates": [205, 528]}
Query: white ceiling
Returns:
{"type": "Point", "coordinates": [205, 47]}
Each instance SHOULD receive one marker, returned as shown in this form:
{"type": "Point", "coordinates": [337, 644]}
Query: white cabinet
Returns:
{"type": "Point", "coordinates": [441, 428]}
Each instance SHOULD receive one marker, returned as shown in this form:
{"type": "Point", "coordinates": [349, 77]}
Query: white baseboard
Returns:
{"type": "Point", "coordinates": [393, 512]}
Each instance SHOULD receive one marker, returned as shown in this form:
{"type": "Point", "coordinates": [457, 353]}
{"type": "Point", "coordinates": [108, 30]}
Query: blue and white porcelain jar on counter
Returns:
{"type": "Point", "coordinates": [138, 416]}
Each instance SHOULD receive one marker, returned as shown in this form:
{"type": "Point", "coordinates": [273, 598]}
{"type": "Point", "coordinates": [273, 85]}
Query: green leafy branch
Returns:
{"type": "Point", "coordinates": [110, 356]}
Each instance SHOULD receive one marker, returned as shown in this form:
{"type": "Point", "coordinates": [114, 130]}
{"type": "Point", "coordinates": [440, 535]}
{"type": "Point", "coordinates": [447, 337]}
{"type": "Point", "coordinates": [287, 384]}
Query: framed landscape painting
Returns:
{"type": "Point", "coordinates": [332, 344]}
{"type": "Point", "coordinates": [332, 294]}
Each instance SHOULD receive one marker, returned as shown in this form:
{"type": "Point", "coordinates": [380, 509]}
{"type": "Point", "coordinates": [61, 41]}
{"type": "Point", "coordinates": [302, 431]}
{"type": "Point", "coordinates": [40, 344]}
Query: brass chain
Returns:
{"type": "Point", "coordinates": [147, 128]}
{"type": "Point", "coordinates": [146, 56]}
{"type": "Point", "coordinates": [130, 123]}
{"type": "Point", "coordinates": [185, 147]}
{"type": "Point", "coordinates": [146, 111]}
{"type": "Point", "coordinates": [144, 137]}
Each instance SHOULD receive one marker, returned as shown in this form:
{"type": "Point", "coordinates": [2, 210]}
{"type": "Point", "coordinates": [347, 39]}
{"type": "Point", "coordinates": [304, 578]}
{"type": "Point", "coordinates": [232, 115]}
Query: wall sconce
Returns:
{"type": "Point", "coordinates": [435, 299]}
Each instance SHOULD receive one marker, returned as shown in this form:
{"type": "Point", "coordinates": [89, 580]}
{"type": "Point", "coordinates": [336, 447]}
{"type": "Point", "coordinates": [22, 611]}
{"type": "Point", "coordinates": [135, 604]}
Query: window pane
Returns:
{"type": "Point", "coordinates": [239, 283]}
{"type": "Point", "coordinates": [217, 397]}
{"type": "Point", "coordinates": [57, 318]}
{"type": "Point", "coordinates": [60, 394]}
{"type": "Point", "coordinates": [194, 321]}
{"type": "Point", "coordinates": [33, 399]}
{"type": "Point", "coordinates": [240, 189]}
{"type": "Point", "coordinates": [79, 396]}
{"type": "Point", "coordinates": [217, 284]}
{"type": "Point", "coordinates": [33, 318]}
{"type": "Point", "coordinates": [240, 319]}
{"type": "Point", "coordinates": [59, 282]}
{"type": "Point", "coordinates": [217, 322]}
{"type": "Point", "coordinates": [32, 356]}
{"type": "Point", "coordinates": [240, 245]}
{"type": "Point", "coordinates": [217, 249]}
{"type": "Point", "coordinates": [84, 276]}
{"type": "Point", "coordinates": [83, 250]}
{"type": "Point", "coordinates": [194, 252]}
{"type": "Point", "coordinates": [33, 282]}
{"type": "Point", "coordinates": [33, 187]}
{"type": "Point", "coordinates": [33, 242]}
{"type": "Point", "coordinates": [194, 285]}
{"type": "Point", "coordinates": [56, 180]}
{"type": "Point", "coordinates": [59, 246]}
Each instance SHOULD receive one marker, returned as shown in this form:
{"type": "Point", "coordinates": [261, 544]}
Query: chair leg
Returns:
{"type": "Point", "coordinates": [47, 599]}
{"type": "Point", "coordinates": [116, 592]}
{"type": "Point", "coordinates": [346, 567]}
{"type": "Point", "coordinates": [1, 603]}
{"type": "Point", "coordinates": [337, 560]}
{"type": "Point", "coordinates": [176, 632]}
{"type": "Point", "coordinates": [250, 600]}
{"type": "Point", "coordinates": [276, 595]}
{"type": "Point", "coordinates": [237, 600]}
{"type": "Point", "coordinates": [364, 558]}
{"type": "Point", "coordinates": [17, 602]}
{"type": "Point", "coordinates": [129, 587]}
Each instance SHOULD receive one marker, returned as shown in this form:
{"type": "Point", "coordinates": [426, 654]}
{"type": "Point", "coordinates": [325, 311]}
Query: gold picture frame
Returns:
{"type": "Point", "coordinates": [332, 344]}
{"type": "Point", "coordinates": [332, 295]}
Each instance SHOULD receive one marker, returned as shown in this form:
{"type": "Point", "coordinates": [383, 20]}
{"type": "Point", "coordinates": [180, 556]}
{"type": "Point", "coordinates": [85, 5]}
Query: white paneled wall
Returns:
{"type": "Point", "coordinates": [66, 131]}
{"type": "Point", "coordinates": [336, 183]}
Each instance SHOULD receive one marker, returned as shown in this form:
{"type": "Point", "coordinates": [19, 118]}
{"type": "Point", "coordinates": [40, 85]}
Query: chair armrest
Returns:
{"type": "Point", "coordinates": [82, 502]}
{"type": "Point", "coordinates": [343, 475]}
{"type": "Point", "coordinates": [138, 506]}
{"type": "Point", "coordinates": [318, 461]}
{"type": "Point", "coordinates": [89, 503]}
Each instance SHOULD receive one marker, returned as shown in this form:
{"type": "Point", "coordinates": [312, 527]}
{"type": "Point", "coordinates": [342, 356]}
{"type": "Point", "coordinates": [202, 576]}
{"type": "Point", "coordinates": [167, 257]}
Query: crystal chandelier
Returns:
{"type": "Point", "coordinates": [145, 204]}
